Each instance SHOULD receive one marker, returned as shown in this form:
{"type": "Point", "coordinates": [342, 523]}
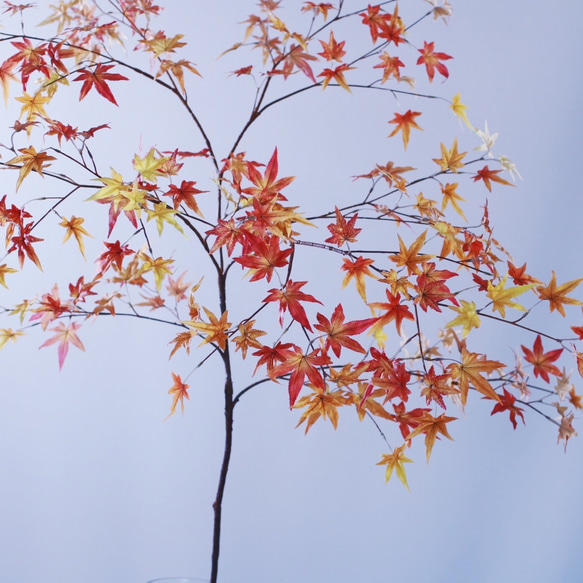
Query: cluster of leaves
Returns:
{"type": "Point", "coordinates": [448, 269]}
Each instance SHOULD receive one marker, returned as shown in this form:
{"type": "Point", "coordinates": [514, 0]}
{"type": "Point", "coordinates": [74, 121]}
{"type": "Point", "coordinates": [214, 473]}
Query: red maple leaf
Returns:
{"type": "Point", "coordinates": [394, 382]}
{"type": "Point", "coordinates": [507, 404]}
{"type": "Point", "coordinates": [542, 361]}
{"type": "Point", "coordinates": [184, 194]}
{"type": "Point", "coordinates": [342, 231]}
{"type": "Point", "coordinates": [432, 60]}
{"type": "Point", "coordinates": [431, 292]}
{"type": "Point", "coordinates": [289, 298]}
{"type": "Point", "coordinates": [266, 185]}
{"type": "Point", "coordinates": [272, 356]}
{"type": "Point", "coordinates": [338, 331]}
{"type": "Point", "coordinates": [394, 310]}
{"type": "Point", "coordinates": [263, 256]}
{"type": "Point", "coordinates": [226, 233]}
{"type": "Point", "coordinates": [301, 365]}
{"type": "Point", "coordinates": [97, 78]}
{"type": "Point", "coordinates": [114, 255]}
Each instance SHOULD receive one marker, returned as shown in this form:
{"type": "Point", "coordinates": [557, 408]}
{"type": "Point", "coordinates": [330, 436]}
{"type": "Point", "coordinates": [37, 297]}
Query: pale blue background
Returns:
{"type": "Point", "coordinates": [94, 487]}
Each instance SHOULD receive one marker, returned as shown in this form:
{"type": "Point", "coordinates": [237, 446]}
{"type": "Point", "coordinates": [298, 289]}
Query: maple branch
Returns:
{"type": "Point", "coordinates": [229, 406]}
{"type": "Point", "coordinates": [516, 323]}
{"type": "Point", "coordinates": [201, 239]}
{"type": "Point", "coordinates": [248, 388]}
{"type": "Point", "coordinates": [419, 337]}
{"type": "Point", "coordinates": [79, 162]}
{"type": "Point", "coordinates": [137, 70]}
{"type": "Point", "coordinates": [378, 427]}
{"type": "Point", "coordinates": [531, 406]}
{"type": "Point", "coordinates": [59, 201]}
{"type": "Point", "coordinates": [86, 314]}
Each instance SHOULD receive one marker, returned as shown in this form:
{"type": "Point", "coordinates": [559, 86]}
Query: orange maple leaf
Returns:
{"type": "Point", "coordinates": [431, 426]}
{"type": "Point", "coordinates": [73, 226]}
{"type": "Point", "coordinates": [450, 159]}
{"type": "Point", "coordinates": [392, 174]}
{"type": "Point", "coordinates": [469, 371]}
{"type": "Point", "coordinates": [404, 123]}
{"type": "Point", "coordinates": [390, 66]}
{"type": "Point", "coordinates": [298, 58]}
{"type": "Point", "coordinates": [320, 403]}
{"type": "Point", "coordinates": [215, 330]}
{"type": "Point", "coordinates": [320, 8]}
{"type": "Point", "coordinates": [182, 340]}
{"type": "Point", "coordinates": [333, 50]}
{"type": "Point", "coordinates": [410, 258]}
{"type": "Point", "coordinates": [180, 392]}
{"type": "Point", "coordinates": [337, 75]}
{"type": "Point", "coordinates": [357, 269]}
{"type": "Point", "coordinates": [519, 275]}
{"type": "Point", "coordinates": [30, 160]}
{"type": "Point", "coordinates": [247, 337]}
{"type": "Point", "coordinates": [557, 295]}
{"type": "Point", "coordinates": [177, 69]}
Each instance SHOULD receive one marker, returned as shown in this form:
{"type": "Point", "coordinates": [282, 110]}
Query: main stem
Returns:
{"type": "Point", "coordinates": [229, 405]}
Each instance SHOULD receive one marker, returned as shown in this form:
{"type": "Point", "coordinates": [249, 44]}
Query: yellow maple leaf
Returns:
{"type": "Point", "coordinates": [6, 76]}
{"type": "Point", "coordinates": [33, 105]}
{"type": "Point", "coordinates": [460, 110]}
{"type": "Point", "coordinates": [4, 269]}
{"type": "Point", "coordinates": [450, 196]}
{"type": "Point", "coordinates": [161, 44]}
{"type": "Point", "coordinates": [502, 297]}
{"type": "Point", "coordinates": [148, 167]}
{"type": "Point", "coordinates": [177, 69]}
{"type": "Point", "coordinates": [7, 334]}
{"type": "Point", "coordinates": [395, 461]}
{"type": "Point", "coordinates": [468, 318]}
{"type": "Point", "coordinates": [159, 267]}
{"type": "Point", "coordinates": [163, 213]}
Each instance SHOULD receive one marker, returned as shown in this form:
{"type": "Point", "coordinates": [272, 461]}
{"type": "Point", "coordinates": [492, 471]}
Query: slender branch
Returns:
{"type": "Point", "coordinates": [229, 406]}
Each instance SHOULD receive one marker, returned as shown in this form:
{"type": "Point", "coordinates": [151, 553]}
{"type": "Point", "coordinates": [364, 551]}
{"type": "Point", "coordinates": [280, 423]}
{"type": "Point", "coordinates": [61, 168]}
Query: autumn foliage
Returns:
{"type": "Point", "coordinates": [399, 343]}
